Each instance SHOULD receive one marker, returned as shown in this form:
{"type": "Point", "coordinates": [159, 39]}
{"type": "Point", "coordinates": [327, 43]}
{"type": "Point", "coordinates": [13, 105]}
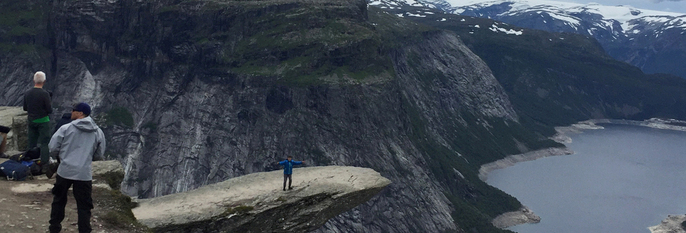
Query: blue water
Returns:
{"type": "Point", "coordinates": [621, 179]}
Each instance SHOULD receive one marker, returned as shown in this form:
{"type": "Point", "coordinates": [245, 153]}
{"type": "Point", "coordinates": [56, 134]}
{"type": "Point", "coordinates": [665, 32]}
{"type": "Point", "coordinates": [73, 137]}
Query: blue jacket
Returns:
{"type": "Point", "coordinates": [288, 166]}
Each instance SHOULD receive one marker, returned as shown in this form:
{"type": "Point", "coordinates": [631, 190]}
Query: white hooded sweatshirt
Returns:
{"type": "Point", "coordinates": [77, 144]}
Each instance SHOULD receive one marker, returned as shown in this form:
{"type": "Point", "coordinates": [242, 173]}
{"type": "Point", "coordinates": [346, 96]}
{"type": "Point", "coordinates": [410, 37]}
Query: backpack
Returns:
{"type": "Point", "coordinates": [34, 168]}
{"type": "Point", "coordinates": [33, 153]}
{"type": "Point", "coordinates": [14, 170]}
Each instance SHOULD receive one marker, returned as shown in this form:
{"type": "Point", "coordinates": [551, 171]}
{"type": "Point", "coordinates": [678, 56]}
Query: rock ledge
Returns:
{"type": "Point", "coordinates": [256, 203]}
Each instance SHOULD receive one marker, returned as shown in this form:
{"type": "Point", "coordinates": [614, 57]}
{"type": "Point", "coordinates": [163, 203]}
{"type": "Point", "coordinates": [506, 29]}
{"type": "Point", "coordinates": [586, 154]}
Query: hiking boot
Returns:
{"type": "Point", "coordinates": [284, 189]}
{"type": "Point", "coordinates": [289, 188]}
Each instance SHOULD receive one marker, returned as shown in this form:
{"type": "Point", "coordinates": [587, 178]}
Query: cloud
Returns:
{"type": "Point", "coordinates": [659, 1]}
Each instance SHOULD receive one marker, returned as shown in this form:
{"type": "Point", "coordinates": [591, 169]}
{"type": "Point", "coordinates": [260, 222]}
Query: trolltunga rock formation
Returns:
{"type": "Point", "coordinates": [256, 203]}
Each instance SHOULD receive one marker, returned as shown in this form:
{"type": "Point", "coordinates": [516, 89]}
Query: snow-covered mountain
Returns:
{"type": "Point", "coordinates": [589, 19]}
{"type": "Point", "coordinates": [653, 40]}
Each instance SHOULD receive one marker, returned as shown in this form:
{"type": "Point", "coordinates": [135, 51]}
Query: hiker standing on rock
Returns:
{"type": "Point", "coordinates": [37, 103]}
{"type": "Point", "coordinates": [288, 171]}
{"type": "Point", "coordinates": [76, 145]}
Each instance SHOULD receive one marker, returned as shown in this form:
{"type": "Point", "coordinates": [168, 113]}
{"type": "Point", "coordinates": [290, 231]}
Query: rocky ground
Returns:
{"type": "Point", "coordinates": [25, 207]}
{"type": "Point", "coordinates": [257, 203]}
{"type": "Point", "coordinates": [670, 225]}
{"type": "Point", "coordinates": [522, 216]}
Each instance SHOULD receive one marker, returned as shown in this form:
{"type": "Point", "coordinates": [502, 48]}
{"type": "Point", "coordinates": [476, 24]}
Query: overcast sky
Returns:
{"type": "Point", "coordinates": [661, 5]}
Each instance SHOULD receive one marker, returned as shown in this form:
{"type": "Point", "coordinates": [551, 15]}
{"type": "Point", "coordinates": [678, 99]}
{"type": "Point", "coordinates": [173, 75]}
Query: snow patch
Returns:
{"type": "Point", "coordinates": [495, 28]}
{"type": "Point", "coordinates": [565, 11]}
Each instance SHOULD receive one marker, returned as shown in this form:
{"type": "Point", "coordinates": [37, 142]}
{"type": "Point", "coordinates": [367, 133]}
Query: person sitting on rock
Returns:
{"type": "Point", "coordinates": [3, 144]}
{"type": "Point", "coordinates": [288, 171]}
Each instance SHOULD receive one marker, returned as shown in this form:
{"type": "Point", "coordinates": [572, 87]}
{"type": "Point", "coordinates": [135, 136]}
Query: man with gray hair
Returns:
{"type": "Point", "coordinates": [37, 103]}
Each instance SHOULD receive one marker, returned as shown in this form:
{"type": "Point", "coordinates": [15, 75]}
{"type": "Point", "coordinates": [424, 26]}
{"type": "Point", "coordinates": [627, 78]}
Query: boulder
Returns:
{"type": "Point", "coordinates": [256, 202]}
{"type": "Point", "coordinates": [15, 118]}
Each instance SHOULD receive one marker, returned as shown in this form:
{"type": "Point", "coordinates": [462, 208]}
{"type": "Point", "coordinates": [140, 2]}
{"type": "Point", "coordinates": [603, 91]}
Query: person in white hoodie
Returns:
{"type": "Point", "coordinates": [75, 145]}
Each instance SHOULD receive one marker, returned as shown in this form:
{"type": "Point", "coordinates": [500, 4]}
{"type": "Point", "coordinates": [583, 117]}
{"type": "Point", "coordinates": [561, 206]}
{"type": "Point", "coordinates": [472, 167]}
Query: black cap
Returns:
{"type": "Point", "coordinates": [83, 107]}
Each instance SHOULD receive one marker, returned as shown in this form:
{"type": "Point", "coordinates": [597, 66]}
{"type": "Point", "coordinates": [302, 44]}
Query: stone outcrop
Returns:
{"type": "Point", "coordinates": [673, 224]}
{"type": "Point", "coordinates": [256, 203]}
{"type": "Point", "coordinates": [521, 216]}
{"type": "Point", "coordinates": [14, 117]}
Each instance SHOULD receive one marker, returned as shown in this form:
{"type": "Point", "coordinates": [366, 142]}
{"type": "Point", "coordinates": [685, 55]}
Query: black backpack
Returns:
{"type": "Point", "coordinates": [32, 154]}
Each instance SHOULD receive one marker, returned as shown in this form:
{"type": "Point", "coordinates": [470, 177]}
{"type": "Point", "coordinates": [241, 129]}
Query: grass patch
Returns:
{"type": "Point", "coordinates": [241, 209]}
{"type": "Point", "coordinates": [118, 210]}
{"type": "Point", "coordinates": [119, 116]}
{"type": "Point", "coordinates": [113, 179]}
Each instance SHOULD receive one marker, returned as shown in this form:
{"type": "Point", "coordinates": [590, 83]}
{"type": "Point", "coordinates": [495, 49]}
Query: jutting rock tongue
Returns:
{"type": "Point", "coordinates": [255, 202]}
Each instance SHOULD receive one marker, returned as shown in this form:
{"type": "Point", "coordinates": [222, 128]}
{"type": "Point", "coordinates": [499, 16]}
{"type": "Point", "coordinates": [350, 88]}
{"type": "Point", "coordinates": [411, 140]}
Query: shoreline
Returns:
{"type": "Point", "coordinates": [525, 215]}
{"type": "Point", "coordinates": [511, 160]}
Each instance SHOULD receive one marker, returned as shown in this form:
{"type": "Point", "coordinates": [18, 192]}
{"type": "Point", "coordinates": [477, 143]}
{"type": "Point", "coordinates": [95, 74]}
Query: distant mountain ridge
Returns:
{"type": "Point", "coordinates": [654, 41]}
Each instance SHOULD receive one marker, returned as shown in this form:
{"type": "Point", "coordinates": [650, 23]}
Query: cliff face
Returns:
{"type": "Point", "coordinates": [192, 93]}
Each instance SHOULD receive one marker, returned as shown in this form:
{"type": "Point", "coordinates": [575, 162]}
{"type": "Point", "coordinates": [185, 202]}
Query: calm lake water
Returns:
{"type": "Point", "coordinates": [621, 179]}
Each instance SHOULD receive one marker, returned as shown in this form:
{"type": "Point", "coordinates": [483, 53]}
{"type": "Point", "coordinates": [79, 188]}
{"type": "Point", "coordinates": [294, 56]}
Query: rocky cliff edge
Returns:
{"type": "Point", "coordinates": [250, 203]}
{"type": "Point", "coordinates": [256, 202]}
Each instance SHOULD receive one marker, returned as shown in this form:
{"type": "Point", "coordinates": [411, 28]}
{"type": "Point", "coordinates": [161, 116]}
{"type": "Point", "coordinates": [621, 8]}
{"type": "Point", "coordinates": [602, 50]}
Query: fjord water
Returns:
{"type": "Point", "coordinates": [621, 179]}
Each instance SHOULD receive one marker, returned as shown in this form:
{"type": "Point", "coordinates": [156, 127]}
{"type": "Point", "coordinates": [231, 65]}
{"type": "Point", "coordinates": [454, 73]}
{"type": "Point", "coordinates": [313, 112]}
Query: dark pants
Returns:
{"type": "Point", "coordinates": [288, 177]}
{"type": "Point", "coordinates": [84, 203]}
{"type": "Point", "coordinates": [3, 144]}
{"type": "Point", "coordinates": [40, 133]}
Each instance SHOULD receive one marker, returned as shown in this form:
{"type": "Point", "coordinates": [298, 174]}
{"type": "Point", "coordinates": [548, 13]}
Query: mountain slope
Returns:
{"type": "Point", "coordinates": [560, 78]}
{"type": "Point", "coordinates": [654, 41]}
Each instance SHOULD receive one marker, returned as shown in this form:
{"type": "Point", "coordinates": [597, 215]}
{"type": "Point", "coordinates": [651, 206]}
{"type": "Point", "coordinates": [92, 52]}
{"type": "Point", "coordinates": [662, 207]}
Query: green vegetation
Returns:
{"type": "Point", "coordinates": [302, 46]}
{"type": "Point", "coordinates": [241, 209]}
{"type": "Point", "coordinates": [119, 116]}
{"type": "Point", "coordinates": [475, 202]}
{"type": "Point", "coordinates": [118, 206]}
{"type": "Point", "coordinates": [20, 22]}
{"type": "Point", "coordinates": [114, 179]}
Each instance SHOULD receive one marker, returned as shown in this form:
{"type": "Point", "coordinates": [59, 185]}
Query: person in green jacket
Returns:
{"type": "Point", "coordinates": [37, 103]}
{"type": "Point", "coordinates": [288, 171]}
